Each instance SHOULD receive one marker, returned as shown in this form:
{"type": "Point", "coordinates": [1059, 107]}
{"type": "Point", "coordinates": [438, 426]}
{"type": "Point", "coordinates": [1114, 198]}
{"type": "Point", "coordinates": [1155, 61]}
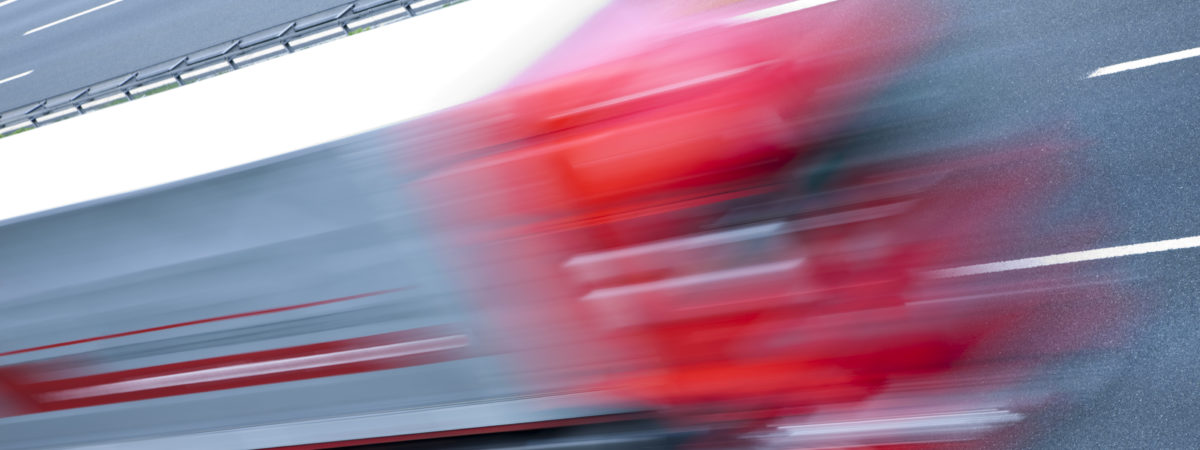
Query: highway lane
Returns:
{"type": "Point", "coordinates": [119, 38]}
{"type": "Point", "coordinates": [1024, 64]}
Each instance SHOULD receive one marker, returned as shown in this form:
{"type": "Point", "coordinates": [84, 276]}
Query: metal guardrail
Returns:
{"type": "Point", "coordinates": [307, 31]}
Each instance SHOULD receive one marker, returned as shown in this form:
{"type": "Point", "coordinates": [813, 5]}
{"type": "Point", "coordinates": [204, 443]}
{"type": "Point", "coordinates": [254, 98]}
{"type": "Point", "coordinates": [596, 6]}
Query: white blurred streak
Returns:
{"type": "Point", "coordinates": [779, 10]}
{"type": "Point", "coordinates": [317, 95]}
{"type": "Point", "coordinates": [733, 236]}
{"type": "Point", "coordinates": [704, 281]}
{"type": "Point", "coordinates": [905, 428]}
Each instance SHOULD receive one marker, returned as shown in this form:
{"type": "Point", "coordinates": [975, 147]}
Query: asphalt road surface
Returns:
{"type": "Point", "coordinates": [118, 38]}
{"type": "Point", "coordinates": [1025, 64]}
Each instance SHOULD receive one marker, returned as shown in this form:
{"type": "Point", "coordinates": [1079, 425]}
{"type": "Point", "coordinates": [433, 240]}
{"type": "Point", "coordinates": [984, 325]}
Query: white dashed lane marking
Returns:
{"type": "Point", "coordinates": [1072, 257]}
{"type": "Point", "coordinates": [1145, 62]}
{"type": "Point", "coordinates": [19, 75]}
{"type": "Point", "coordinates": [72, 16]}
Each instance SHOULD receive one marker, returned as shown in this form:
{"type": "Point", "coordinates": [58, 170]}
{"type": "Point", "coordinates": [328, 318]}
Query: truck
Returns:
{"type": "Point", "coordinates": [648, 240]}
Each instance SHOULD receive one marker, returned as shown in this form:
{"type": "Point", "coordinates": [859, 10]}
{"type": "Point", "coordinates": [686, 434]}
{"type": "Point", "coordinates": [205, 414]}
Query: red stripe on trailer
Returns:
{"type": "Point", "coordinates": [200, 321]}
{"type": "Point", "coordinates": [418, 346]}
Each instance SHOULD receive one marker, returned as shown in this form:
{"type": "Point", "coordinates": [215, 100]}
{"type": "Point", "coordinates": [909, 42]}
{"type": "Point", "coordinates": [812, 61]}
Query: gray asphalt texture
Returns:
{"type": "Point", "coordinates": [1021, 65]}
{"type": "Point", "coordinates": [121, 38]}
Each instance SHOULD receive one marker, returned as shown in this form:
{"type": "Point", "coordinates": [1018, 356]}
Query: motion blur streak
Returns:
{"type": "Point", "coordinates": [282, 106]}
{"type": "Point", "coordinates": [933, 424]}
{"type": "Point", "coordinates": [688, 226]}
{"type": "Point", "coordinates": [785, 8]}
{"type": "Point", "coordinates": [264, 368]}
{"type": "Point", "coordinates": [273, 366]}
{"type": "Point", "coordinates": [196, 322]}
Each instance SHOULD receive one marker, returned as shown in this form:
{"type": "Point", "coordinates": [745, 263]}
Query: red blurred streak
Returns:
{"type": "Point", "coordinates": [41, 391]}
{"type": "Point", "coordinates": [200, 321]}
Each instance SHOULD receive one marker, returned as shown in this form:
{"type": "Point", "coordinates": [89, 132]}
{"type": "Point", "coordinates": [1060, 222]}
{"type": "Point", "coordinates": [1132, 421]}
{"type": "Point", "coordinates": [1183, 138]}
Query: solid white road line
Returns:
{"type": "Point", "coordinates": [1146, 62]}
{"type": "Point", "coordinates": [19, 75]}
{"type": "Point", "coordinates": [5, 2]}
{"type": "Point", "coordinates": [72, 16]}
{"type": "Point", "coordinates": [778, 10]}
{"type": "Point", "coordinates": [1073, 257]}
